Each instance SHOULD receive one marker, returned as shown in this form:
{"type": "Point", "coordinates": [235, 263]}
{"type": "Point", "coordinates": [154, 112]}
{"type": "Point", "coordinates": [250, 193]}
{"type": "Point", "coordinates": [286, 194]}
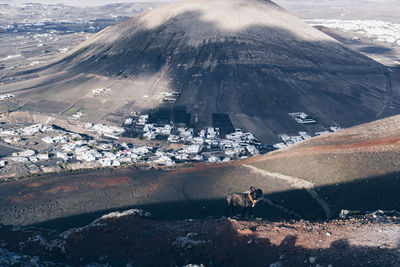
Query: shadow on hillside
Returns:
{"type": "Point", "coordinates": [228, 247]}
{"type": "Point", "coordinates": [145, 242]}
{"type": "Point", "coordinates": [376, 50]}
{"type": "Point", "coordinates": [362, 196]}
{"type": "Point", "coordinates": [339, 253]}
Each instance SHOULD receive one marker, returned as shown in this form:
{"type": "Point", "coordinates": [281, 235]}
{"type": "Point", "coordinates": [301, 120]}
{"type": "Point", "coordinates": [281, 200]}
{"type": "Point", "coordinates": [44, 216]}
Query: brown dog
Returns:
{"type": "Point", "coordinates": [246, 201]}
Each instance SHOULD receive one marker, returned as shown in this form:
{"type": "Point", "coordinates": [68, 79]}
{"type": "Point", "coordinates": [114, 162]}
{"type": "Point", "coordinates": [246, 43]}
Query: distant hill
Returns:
{"type": "Point", "coordinates": [250, 60]}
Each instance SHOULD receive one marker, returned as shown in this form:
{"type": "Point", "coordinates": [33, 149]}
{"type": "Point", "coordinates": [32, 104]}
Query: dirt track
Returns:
{"type": "Point", "coordinates": [297, 183]}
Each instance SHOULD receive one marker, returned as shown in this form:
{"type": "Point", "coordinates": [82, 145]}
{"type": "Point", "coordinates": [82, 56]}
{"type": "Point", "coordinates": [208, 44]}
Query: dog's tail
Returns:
{"type": "Point", "coordinates": [229, 205]}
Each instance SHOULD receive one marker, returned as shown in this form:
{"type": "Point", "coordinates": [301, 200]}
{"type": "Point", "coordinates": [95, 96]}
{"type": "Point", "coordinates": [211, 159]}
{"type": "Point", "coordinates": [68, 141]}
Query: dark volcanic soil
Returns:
{"type": "Point", "coordinates": [176, 194]}
{"type": "Point", "coordinates": [139, 241]}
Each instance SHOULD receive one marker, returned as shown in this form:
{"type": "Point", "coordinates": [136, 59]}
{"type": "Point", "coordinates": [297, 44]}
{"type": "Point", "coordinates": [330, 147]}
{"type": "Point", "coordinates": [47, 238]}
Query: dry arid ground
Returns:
{"type": "Point", "coordinates": [131, 239]}
{"type": "Point", "coordinates": [362, 152]}
{"type": "Point", "coordinates": [355, 169]}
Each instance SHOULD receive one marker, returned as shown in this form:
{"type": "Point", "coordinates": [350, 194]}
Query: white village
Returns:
{"type": "Point", "coordinates": [56, 149]}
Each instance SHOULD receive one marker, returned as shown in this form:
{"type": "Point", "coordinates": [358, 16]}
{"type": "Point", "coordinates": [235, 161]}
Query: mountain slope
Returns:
{"type": "Point", "coordinates": [361, 152]}
{"type": "Point", "coordinates": [250, 59]}
{"type": "Point", "coordinates": [355, 169]}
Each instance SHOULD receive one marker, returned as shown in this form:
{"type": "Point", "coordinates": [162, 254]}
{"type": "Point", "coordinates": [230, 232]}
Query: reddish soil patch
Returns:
{"type": "Point", "coordinates": [35, 184]}
{"type": "Point", "coordinates": [380, 145]}
{"type": "Point", "coordinates": [101, 183]}
{"type": "Point", "coordinates": [61, 188]}
{"type": "Point", "coordinates": [196, 167]}
{"type": "Point", "coordinates": [383, 142]}
{"type": "Point", "coordinates": [22, 198]}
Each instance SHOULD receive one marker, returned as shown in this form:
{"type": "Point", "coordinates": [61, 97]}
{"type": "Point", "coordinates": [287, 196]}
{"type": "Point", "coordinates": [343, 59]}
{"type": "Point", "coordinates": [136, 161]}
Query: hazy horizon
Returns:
{"type": "Point", "coordinates": [387, 10]}
{"type": "Point", "coordinates": [81, 3]}
{"type": "Point", "coordinates": [286, 2]}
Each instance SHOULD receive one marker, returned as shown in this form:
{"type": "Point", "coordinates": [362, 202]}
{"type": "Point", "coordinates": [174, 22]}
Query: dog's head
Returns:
{"type": "Point", "coordinates": [257, 194]}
